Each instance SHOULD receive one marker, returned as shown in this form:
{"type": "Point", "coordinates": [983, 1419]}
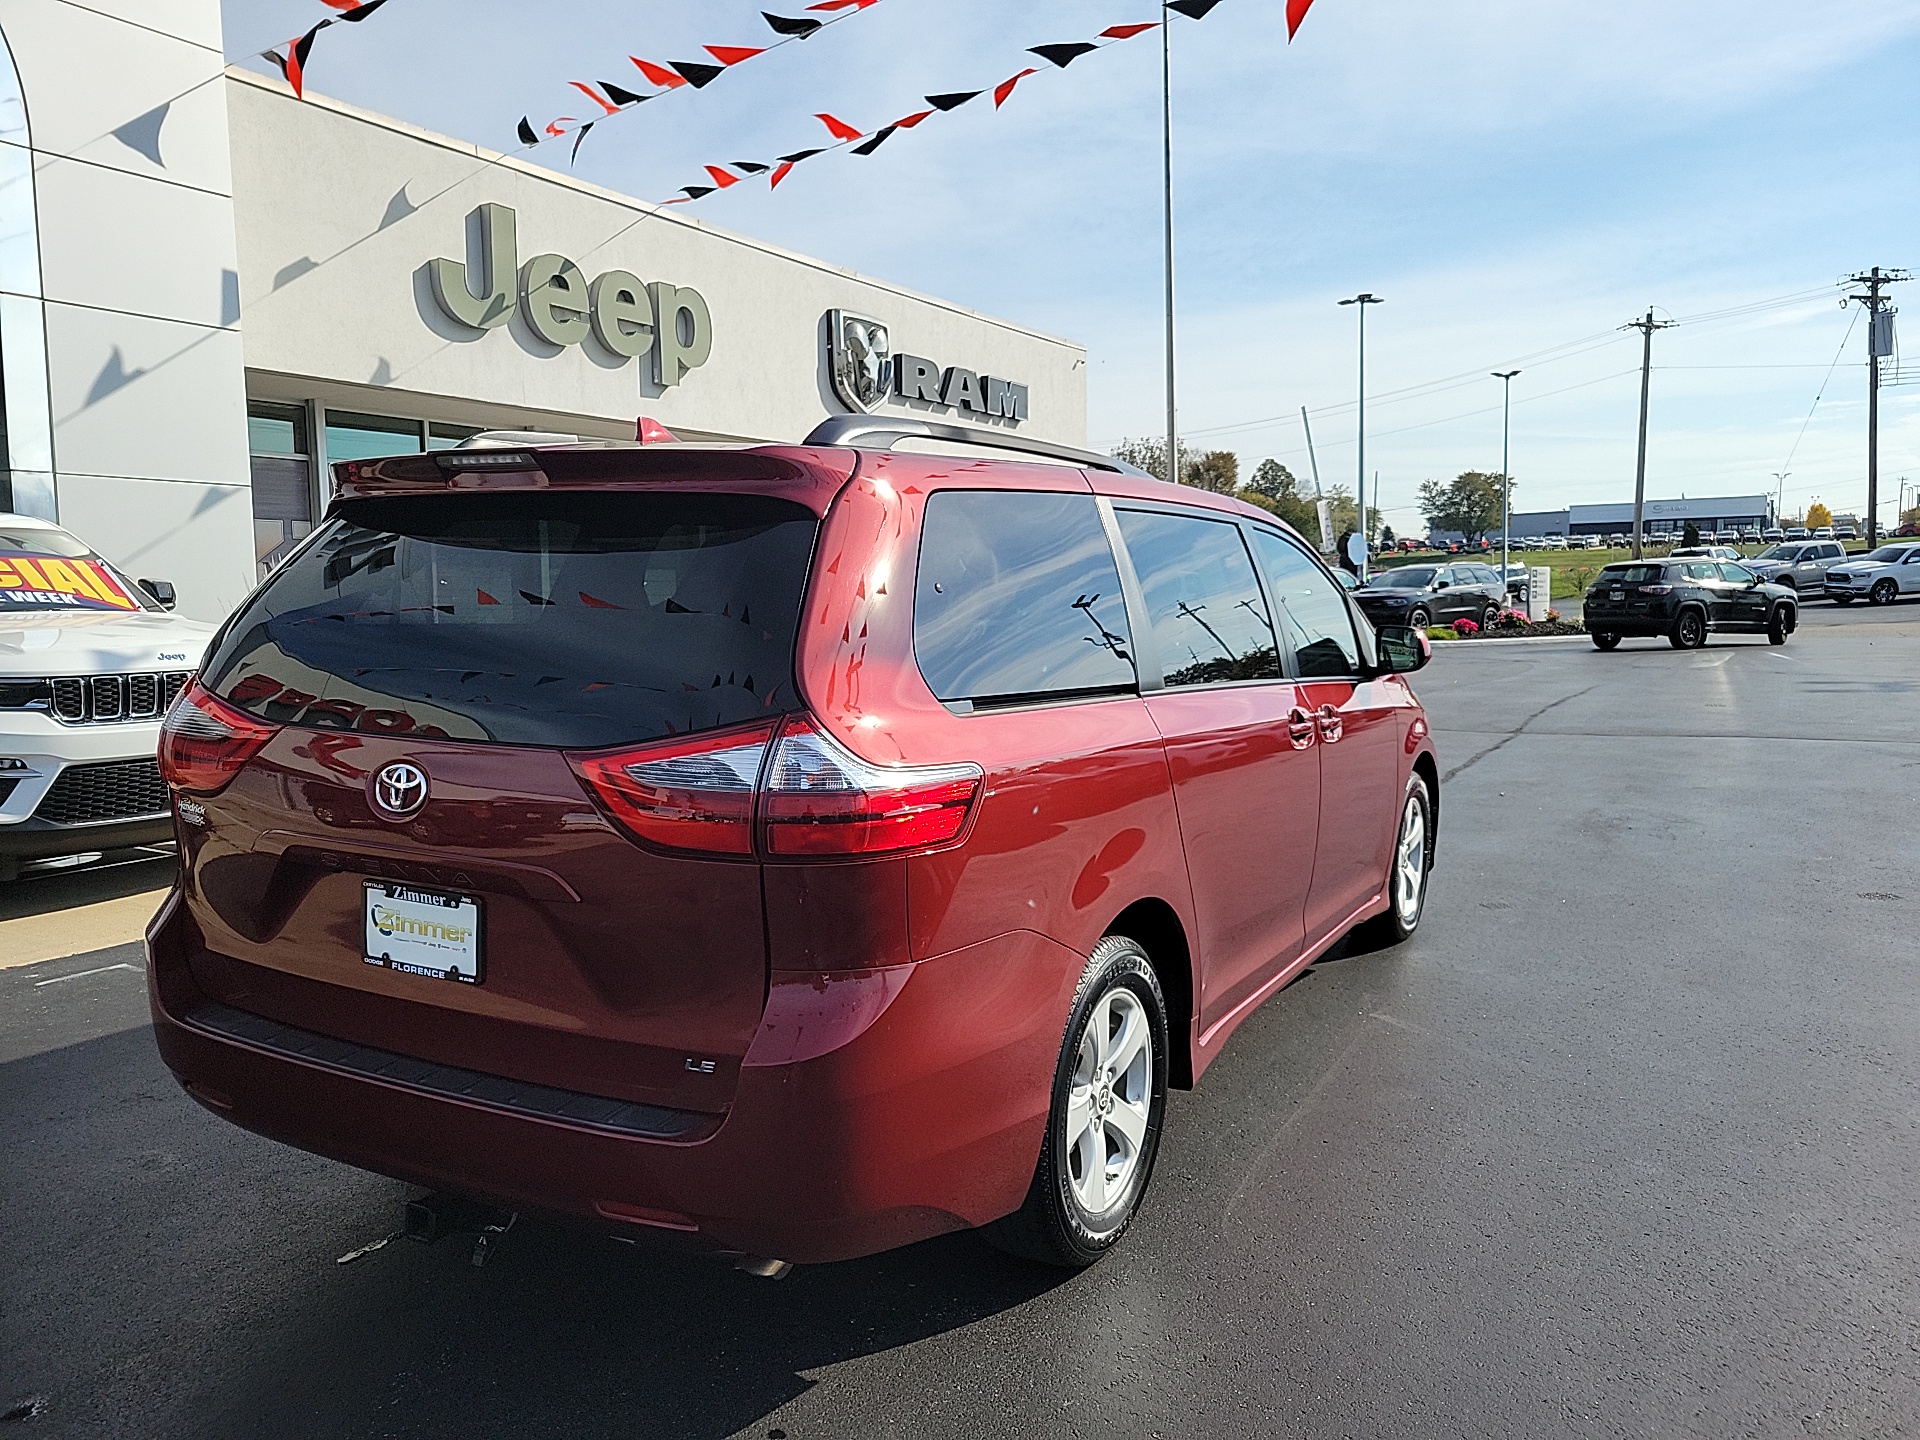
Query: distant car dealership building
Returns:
{"type": "Point", "coordinates": [210, 290]}
{"type": "Point", "coordinates": [1660, 517]}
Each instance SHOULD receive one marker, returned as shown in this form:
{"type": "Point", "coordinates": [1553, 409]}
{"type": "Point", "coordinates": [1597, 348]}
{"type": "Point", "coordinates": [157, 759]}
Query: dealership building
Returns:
{"type": "Point", "coordinates": [210, 290]}
{"type": "Point", "coordinates": [1660, 517]}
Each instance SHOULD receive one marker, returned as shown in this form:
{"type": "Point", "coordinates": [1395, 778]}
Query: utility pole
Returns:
{"type": "Point", "coordinates": [1879, 342]}
{"type": "Point", "coordinates": [1780, 494]}
{"type": "Point", "coordinates": [1363, 299]}
{"type": "Point", "coordinates": [1166, 118]}
{"type": "Point", "coordinates": [1505, 377]}
{"type": "Point", "coordinates": [1319, 497]}
{"type": "Point", "coordinates": [1646, 328]}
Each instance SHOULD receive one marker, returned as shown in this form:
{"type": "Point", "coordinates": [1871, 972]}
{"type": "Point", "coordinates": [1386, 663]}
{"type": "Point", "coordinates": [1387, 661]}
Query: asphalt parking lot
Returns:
{"type": "Point", "coordinates": [1624, 1142]}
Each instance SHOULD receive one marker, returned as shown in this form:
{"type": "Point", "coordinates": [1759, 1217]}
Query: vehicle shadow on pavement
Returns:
{"type": "Point", "coordinates": [117, 875]}
{"type": "Point", "coordinates": [166, 1274]}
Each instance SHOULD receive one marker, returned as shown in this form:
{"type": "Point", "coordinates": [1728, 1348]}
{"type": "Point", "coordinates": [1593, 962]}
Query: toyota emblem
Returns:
{"type": "Point", "coordinates": [399, 790]}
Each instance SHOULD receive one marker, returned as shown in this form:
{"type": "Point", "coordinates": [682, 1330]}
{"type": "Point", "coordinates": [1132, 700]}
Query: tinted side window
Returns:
{"type": "Point", "coordinates": [1832, 552]}
{"type": "Point", "coordinates": [1739, 574]}
{"type": "Point", "coordinates": [1209, 621]}
{"type": "Point", "coordinates": [1318, 625]}
{"type": "Point", "coordinates": [1018, 596]}
{"type": "Point", "coordinates": [1703, 570]}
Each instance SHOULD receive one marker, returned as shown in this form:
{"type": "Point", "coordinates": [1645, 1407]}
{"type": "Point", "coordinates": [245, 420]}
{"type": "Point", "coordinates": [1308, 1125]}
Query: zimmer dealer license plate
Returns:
{"type": "Point", "coordinates": [423, 932]}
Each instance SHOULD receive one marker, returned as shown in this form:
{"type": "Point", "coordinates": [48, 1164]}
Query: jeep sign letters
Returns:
{"type": "Point", "coordinates": [559, 305]}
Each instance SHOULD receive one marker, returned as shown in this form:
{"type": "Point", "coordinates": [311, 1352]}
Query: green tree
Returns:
{"type": "Point", "coordinates": [1386, 535]}
{"type": "Point", "coordinates": [1149, 453]}
{"type": "Point", "coordinates": [1346, 514]}
{"type": "Point", "coordinates": [1274, 488]}
{"type": "Point", "coordinates": [1470, 503]}
{"type": "Point", "coordinates": [1690, 534]}
{"type": "Point", "coordinates": [1217, 471]}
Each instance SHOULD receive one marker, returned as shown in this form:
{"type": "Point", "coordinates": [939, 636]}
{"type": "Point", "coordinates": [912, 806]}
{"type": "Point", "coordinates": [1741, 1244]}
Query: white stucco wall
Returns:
{"type": "Point", "coordinates": [339, 211]}
{"type": "Point", "coordinates": [127, 117]}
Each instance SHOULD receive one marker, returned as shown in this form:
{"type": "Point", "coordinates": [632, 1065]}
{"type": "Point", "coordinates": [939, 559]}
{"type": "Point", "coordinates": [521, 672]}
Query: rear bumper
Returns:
{"type": "Point", "coordinates": [874, 1108]}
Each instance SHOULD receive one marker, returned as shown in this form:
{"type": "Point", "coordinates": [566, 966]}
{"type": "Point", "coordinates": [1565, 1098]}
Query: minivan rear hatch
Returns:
{"type": "Point", "coordinates": [475, 646]}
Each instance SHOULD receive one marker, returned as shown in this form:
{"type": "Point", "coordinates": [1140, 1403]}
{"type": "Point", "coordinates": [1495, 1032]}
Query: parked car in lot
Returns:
{"type": "Point", "coordinates": [1879, 578]}
{"type": "Point", "coordinates": [1705, 552]}
{"type": "Point", "coordinates": [1616, 541]}
{"type": "Point", "coordinates": [89, 660]}
{"type": "Point", "coordinates": [1802, 566]}
{"type": "Point", "coordinates": [1773, 534]}
{"type": "Point", "coordinates": [1423, 595]}
{"type": "Point", "coordinates": [1556, 542]}
{"type": "Point", "coordinates": [812, 849]}
{"type": "Point", "coordinates": [1685, 600]}
{"type": "Point", "coordinates": [1845, 532]}
{"type": "Point", "coordinates": [1824, 532]}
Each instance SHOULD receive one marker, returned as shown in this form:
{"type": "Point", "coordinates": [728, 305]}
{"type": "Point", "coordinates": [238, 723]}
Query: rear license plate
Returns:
{"type": "Point", "coordinates": [1617, 595]}
{"type": "Point", "coordinates": [423, 932]}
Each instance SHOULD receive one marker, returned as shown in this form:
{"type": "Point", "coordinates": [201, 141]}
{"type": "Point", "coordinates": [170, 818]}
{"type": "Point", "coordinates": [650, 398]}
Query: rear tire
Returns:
{"type": "Point", "coordinates": [1103, 1127]}
{"type": "Point", "coordinates": [1780, 624]}
{"type": "Point", "coordinates": [1407, 871]}
{"type": "Point", "coordinates": [1606, 640]}
{"type": "Point", "coordinates": [1689, 631]}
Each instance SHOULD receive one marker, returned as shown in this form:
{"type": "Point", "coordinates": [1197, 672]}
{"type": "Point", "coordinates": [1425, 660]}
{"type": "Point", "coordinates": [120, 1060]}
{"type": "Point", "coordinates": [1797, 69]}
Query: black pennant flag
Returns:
{"type": "Point", "coordinates": [1063, 55]}
{"type": "Point", "coordinates": [620, 96]}
{"type": "Point", "coordinates": [750, 167]}
{"type": "Point", "coordinates": [694, 192]}
{"type": "Point", "coordinates": [360, 12]}
{"type": "Point", "coordinates": [1192, 9]}
{"type": "Point", "coordinates": [879, 139]}
{"type": "Point", "coordinates": [527, 137]}
{"type": "Point", "coordinates": [697, 73]}
{"type": "Point", "coordinates": [798, 156]}
{"type": "Point", "coordinates": [578, 137]}
{"type": "Point", "coordinates": [954, 100]}
{"type": "Point", "coordinates": [800, 29]}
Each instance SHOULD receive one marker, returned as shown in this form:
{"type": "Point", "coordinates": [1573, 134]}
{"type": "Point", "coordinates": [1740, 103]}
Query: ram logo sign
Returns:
{"type": "Point", "coordinates": [866, 370]}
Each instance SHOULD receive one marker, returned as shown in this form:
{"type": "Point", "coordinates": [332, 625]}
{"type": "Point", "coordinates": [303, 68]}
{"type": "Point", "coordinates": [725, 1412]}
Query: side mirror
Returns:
{"type": "Point", "coordinates": [1440, 584]}
{"type": "Point", "coordinates": [1403, 649]}
{"type": "Point", "coordinates": [161, 591]}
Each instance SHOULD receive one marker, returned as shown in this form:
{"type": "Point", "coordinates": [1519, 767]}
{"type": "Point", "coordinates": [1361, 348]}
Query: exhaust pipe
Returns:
{"type": "Point", "coordinates": [763, 1267]}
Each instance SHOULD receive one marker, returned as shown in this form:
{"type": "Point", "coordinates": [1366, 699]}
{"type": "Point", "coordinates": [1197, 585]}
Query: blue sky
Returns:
{"type": "Point", "coordinates": [1513, 177]}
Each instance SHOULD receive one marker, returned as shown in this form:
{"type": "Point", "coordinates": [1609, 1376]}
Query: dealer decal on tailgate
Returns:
{"type": "Point", "coordinates": [60, 584]}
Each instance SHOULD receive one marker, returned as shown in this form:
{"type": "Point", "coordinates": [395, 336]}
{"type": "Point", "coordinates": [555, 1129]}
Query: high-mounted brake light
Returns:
{"type": "Point", "coordinates": [694, 794]}
{"type": "Point", "coordinates": [485, 460]}
{"type": "Point", "coordinates": [204, 741]}
{"type": "Point", "coordinates": [821, 799]}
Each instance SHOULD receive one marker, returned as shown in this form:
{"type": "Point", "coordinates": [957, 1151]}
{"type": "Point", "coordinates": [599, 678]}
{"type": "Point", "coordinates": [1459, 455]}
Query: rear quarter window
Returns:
{"type": "Point", "coordinates": [1018, 598]}
{"type": "Point", "coordinates": [556, 619]}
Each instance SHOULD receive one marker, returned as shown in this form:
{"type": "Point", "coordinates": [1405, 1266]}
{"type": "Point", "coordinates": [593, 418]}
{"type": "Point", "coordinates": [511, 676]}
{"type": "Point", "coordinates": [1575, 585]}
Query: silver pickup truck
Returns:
{"type": "Point", "coordinates": [1800, 565]}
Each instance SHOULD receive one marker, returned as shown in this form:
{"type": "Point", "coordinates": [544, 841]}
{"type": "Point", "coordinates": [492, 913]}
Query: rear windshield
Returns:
{"type": "Point", "coordinates": [1630, 574]}
{"type": "Point", "coordinates": [529, 619]}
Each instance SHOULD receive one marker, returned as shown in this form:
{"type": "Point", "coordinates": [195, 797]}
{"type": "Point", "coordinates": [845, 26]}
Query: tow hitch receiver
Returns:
{"type": "Point", "coordinates": [433, 1218]}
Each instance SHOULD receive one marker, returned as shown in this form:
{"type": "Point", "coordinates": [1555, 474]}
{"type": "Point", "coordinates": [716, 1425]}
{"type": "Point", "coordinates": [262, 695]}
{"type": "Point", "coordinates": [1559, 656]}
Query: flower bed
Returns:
{"type": "Point", "coordinates": [1508, 625]}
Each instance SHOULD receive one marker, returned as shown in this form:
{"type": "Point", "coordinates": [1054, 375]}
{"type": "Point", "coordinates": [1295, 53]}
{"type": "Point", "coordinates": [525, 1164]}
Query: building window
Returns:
{"type": "Point", "coordinates": [352, 436]}
{"type": "Point", "coordinates": [282, 469]}
{"type": "Point", "coordinates": [445, 437]}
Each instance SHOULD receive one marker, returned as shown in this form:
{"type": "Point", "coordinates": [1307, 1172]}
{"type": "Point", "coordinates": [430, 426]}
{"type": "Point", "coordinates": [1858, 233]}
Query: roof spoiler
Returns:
{"type": "Point", "coordinates": [872, 432]}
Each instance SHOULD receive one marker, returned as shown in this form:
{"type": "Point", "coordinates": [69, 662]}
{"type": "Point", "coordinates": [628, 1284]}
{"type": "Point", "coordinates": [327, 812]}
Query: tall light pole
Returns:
{"type": "Point", "coordinates": [1780, 494]}
{"type": "Point", "coordinates": [1505, 377]}
{"type": "Point", "coordinates": [1363, 299]}
{"type": "Point", "coordinates": [1166, 136]}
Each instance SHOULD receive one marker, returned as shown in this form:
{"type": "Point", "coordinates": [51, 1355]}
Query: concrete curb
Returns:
{"type": "Point", "coordinates": [1443, 645]}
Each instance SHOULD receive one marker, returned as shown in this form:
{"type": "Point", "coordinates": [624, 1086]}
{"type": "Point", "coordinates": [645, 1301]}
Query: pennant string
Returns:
{"type": "Point", "coordinates": [293, 64]}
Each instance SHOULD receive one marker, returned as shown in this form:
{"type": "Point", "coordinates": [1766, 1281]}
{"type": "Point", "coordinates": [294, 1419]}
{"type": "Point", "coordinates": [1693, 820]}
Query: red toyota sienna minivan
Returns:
{"type": "Point", "coordinates": [813, 848]}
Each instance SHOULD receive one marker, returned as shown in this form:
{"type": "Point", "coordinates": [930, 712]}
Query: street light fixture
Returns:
{"type": "Point", "coordinates": [1505, 377]}
{"type": "Point", "coordinates": [1363, 299]}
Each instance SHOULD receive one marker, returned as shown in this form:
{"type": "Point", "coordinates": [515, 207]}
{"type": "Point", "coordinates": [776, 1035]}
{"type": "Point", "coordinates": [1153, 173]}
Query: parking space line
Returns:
{"type": "Point", "coordinates": [83, 974]}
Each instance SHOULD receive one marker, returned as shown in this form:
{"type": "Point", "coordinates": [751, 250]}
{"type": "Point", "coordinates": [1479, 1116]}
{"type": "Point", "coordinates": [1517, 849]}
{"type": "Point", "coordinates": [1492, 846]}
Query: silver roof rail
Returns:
{"type": "Point", "coordinates": [873, 432]}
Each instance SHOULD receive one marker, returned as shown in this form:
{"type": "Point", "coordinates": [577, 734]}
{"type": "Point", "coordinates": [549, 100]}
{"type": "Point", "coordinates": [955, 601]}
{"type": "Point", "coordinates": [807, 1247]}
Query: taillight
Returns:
{"type": "Point", "coordinates": [692, 794]}
{"type": "Point", "coordinates": [204, 741]}
{"type": "Point", "coordinates": [822, 799]}
{"type": "Point", "coordinates": [1656, 589]}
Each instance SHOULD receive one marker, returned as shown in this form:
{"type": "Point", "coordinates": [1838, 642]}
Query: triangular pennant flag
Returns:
{"type": "Point", "coordinates": [527, 137]}
{"type": "Point", "coordinates": [296, 63]}
{"type": "Point", "coordinates": [340, 4]}
{"type": "Point", "coordinates": [879, 139]}
{"type": "Point", "coordinates": [797, 156]}
{"type": "Point", "coordinates": [780, 172]}
{"type": "Point", "coordinates": [594, 95]}
{"type": "Point", "coordinates": [912, 120]}
{"type": "Point", "coordinates": [280, 61]}
{"type": "Point", "coordinates": [1005, 87]}
{"type": "Point", "coordinates": [694, 192]}
{"type": "Point", "coordinates": [697, 74]}
{"type": "Point", "coordinates": [1296, 12]}
{"type": "Point", "coordinates": [843, 4]}
{"type": "Point", "coordinates": [733, 54]}
{"type": "Point", "coordinates": [354, 13]}
{"type": "Point", "coordinates": [953, 100]}
{"type": "Point", "coordinates": [1062, 55]}
{"type": "Point", "coordinates": [619, 95]}
{"type": "Point", "coordinates": [798, 29]}
{"type": "Point", "coordinates": [721, 179]}
{"type": "Point", "coordinates": [578, 137]}
{"type": "Point", "coordinates": [749, 167]}
{"type": "Point", "coordinates": [557, 128]}
{"type": "Point", "coordinates": [1127, 32]}
{"type": "Point", "coordinates": [1192, 9]}
{"type": "Point", "coordinates": [839, 128]}
{"type": "Point", "coordinates": [658, 74]}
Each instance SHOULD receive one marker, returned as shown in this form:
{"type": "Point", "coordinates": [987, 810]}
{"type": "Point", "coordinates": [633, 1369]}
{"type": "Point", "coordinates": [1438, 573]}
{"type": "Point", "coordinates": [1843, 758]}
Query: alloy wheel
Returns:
{"type": "Point", "coordinates": [1410, 863]}
{"type": "Point", "coordinates": [1110, 1102]}
{"type": "Point", "coordinates": [1883, 593]}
